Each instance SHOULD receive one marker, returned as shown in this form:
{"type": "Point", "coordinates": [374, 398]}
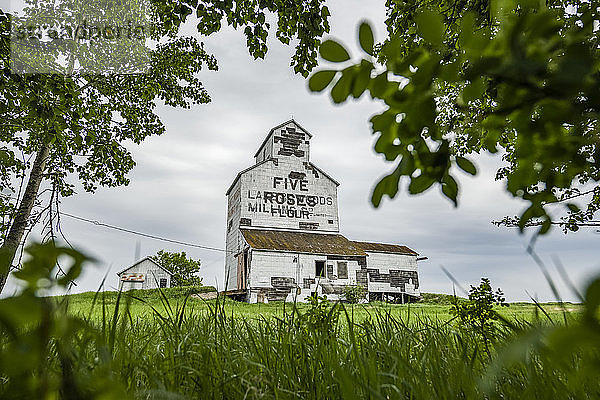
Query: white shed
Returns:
{"type": "Point", "coordinates": [144, 274]}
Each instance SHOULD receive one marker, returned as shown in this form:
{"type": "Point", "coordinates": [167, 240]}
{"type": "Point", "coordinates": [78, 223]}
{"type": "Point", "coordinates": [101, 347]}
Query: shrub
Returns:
{"type": "Point", "coordinates": [354, 294]}
{"type": "Point", "coordinates": [478, 312]}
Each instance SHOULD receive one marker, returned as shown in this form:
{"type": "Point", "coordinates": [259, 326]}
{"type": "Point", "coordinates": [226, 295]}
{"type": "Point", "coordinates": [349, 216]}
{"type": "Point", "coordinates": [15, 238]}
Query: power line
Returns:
{"type": "Point", "coordinates": [90, 221]}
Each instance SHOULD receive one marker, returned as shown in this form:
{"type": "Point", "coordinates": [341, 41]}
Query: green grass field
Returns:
{"type": "Point", "coordinates": [165, 345]}
{"type": "Point", "coordinates": [435, 306]}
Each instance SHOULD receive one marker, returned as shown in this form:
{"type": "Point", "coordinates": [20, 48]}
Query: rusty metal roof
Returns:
{"type": "Point", "coordinates": [301, 242]}
{"type": "Point", "coordinates": [385, 248]}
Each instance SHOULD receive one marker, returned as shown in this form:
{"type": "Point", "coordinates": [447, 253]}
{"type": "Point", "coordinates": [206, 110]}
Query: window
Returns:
{"type": "Point", "coordinates": [330, 273]}
{"type": "Point", "coordinates": [320, 268]}
{"type": "Point", "coordinates": [163, 282]}
{"type": "Point", "coordinates": [342, 270]}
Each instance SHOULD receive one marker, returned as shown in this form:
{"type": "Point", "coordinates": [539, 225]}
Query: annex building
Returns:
{"type": "Point", "coordinates": [283, 240]}
{"type": "Point", "coordinates": [144, 274]}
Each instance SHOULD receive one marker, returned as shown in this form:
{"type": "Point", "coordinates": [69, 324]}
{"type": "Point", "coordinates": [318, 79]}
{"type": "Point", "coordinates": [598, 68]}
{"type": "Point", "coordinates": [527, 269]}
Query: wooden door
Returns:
{"type": "Point", "coordinates": [242, 270]}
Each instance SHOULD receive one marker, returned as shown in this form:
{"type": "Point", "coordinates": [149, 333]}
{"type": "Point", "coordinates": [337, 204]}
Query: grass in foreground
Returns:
{"type": "Point", "coordinates": [211, 350]}
{"type": "Point", "coordinates": [320, 351]}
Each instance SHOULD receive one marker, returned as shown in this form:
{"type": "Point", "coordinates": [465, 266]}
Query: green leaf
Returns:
{"type": "Point", "coordinates": [473, 91]}
{"type": "Point", "coordinates": [341, 90]}
{"type": "Point", "coordinates": [407, 165]}
{"type": "Point", "coordinates": [431, 27]}
{"type": "Point", "coordinates": [320, 80]}
{"type": "Point", "coordinates": [420, 184]}
{"type": "Point", "coordinates": [592, 299]}
{"type": "Point", "coordinates": [466, 165]}
{"type": "Point", "coordinates": [382, 122]}
{"type": "Point", "coordinates": [333, 51]}
{"type": "Point", "coordinates": [387, 185]}
{"type": "Point", "coordinates": [362, 79]}
{"type": "Point", "coordinates": [16, 312]}
{"type": "Point", "coordinates": [546, 225]}
{"type": "Point", "coordinates": [365, 38]}
{"type": "Point", "coordinates": [573, 207]}
{"type": "Point", "coordinates": [450, 189]}
{"type": "Point", "coordinates": [380, 86]}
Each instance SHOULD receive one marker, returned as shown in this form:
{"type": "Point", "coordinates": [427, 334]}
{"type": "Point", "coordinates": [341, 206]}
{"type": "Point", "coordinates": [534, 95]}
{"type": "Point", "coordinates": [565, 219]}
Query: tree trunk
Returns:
{"type": "Point", "coordinates": [17, 229]}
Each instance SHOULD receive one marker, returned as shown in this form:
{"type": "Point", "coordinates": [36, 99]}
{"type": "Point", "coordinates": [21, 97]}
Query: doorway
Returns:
{"type": "Point", "coordinates": [320, 269]}
{"type": "Point", "coordinates": [242, 270]}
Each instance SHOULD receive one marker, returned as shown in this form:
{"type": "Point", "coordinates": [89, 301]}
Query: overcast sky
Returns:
{"type": "Point", "coordinates": [178, 187]}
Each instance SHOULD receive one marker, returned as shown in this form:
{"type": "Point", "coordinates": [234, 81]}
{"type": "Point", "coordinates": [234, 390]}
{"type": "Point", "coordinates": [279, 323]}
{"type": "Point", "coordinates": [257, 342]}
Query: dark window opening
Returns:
{"type": "Point", "coordinates": [330, 273]}
{"type": "Point", "coordinates": [163, 282]}
{"type": "Point", "coordinates": [245, 221]}
{"type": "Point", "coordinates": [330, 221]}
{"type": "Point", "coordinates": [342, 267]}
{"type": "Point", "coordinates": [319, 268]}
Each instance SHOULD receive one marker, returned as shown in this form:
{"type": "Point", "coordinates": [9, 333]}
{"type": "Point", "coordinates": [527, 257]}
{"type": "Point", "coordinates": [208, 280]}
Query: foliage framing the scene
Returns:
{"type": "Point", "coordinates": [46, 352]}
{"type": "Point", "coordinates": [466, 77]}
{"type": "Point", "coordinates": [75, 124]}
{"type": "Point", "coordinates": [305, 21]}
{"type": "Point", "coordinates": [184, 269]}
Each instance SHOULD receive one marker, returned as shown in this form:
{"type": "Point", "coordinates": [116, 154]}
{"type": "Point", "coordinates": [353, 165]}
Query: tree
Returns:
{"type": "Point", "coordinates": [184, 269]}
{"type": "Point", "coordinates": [464, 77]}
{"type": "Point", "coordinates": [70, 125]}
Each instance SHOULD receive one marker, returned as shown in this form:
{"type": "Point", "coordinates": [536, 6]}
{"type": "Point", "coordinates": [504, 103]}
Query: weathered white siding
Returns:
{"type": "Point", "coordinates": [234, 242]}
{"type": "Point", "coordinates": [266, 151]}
{"type": "Point", "coordinates": [393, 273]}
{"type": "Point", "coordinates": [292, 276]}
{"type": "Point", "coordinates": [151, 273]}
{"type": "Point", "coordinates": [285, 194]}
{"type": "Point", "coordinates": [288, 139]}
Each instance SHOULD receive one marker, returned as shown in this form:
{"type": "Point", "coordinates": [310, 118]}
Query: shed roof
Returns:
{"type": "Point", "coordinates": [142, 260]}
{"type": "Point", "coordinates": [384, 248]}
{"type": "Point", "coordinates": [301, 242]}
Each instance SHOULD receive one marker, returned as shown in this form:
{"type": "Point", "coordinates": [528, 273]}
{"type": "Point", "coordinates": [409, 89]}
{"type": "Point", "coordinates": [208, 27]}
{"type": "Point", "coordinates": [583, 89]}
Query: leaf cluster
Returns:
{"type": "Point", "coordinates": [321, 317]}
{"type": "Point", "coordinates": [47, 353]}
{"type": "Point", "coordinates": [478, 311]}
{"type": "Point", "coordinates": [87, 118]}
{"type": "Point", "coordinates": [305, 21]}
{"type": "Point", "coordinates": [461, 77]}
{"type": "Point", "coordinates": [407, 128]}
